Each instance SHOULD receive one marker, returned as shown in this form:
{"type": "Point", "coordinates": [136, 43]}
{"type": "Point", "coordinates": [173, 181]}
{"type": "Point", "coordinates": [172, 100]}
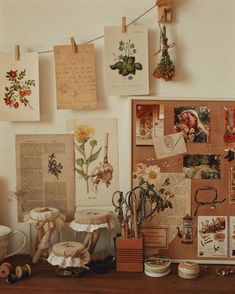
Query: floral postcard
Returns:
{"type": "Point", "coordinates": [194, 122]}
{"type": "Point", "coordinates": [126, 56]}
{"type": "Point", "coordinates": [96, 160]}
{"type": "Point", "coordinates": [19, 87]}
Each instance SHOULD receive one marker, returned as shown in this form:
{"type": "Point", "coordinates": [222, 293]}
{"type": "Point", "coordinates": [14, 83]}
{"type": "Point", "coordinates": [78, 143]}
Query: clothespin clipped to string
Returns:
{"type": "Point", "coordinates": [164, 10]}
{"type": "Point", "coordinates": [17, 52]}
{"type": "Point", "coordinates": [123, 24]}
{"type": "Point", "coordinates": [74, 45]}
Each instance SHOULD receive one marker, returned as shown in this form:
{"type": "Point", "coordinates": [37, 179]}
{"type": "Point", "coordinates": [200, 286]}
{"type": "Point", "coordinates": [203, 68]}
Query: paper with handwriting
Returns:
{"type": "Point", "coordinates": [75, 77]}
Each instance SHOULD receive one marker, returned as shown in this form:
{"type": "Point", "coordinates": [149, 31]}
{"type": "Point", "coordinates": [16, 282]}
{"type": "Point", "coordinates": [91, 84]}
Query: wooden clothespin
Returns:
{"type": "Point", "coordinates": [124, 24]}
{"type": "Point", "coordinates": [164, 10]}
{"type": "Point", "coordinates": [17, 52]}
{"type": "Point", "coordinates": [74, 45]}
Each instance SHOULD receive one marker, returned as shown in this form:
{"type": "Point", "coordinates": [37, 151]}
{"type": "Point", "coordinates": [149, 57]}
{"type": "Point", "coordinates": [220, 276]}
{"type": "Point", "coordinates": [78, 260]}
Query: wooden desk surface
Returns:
{"type": "Point", "coordinates": [44, 280]}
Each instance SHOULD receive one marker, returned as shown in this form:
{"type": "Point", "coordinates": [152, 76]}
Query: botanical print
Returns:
{"type": "Point", "coordinates": [149, 177]}
{"type": "Point", "coordinates": [96, 160]}
{"type": "Point", "coordinates": [194, 122]}
{"type": "Point", "coordinates": [83, 137]}
{"type": "Point", "coordinates": [212, 236]}
{"type": "Point", "coordinates": [19, 87]}
{"type": "Point", "coordinates": [54, 167]}
{"type": "Point", "coordinates": [125, 61]}
{"type": "Point", "coordinates": [201, 166]}
{"type": "Point", "coordinates": [19, 90]}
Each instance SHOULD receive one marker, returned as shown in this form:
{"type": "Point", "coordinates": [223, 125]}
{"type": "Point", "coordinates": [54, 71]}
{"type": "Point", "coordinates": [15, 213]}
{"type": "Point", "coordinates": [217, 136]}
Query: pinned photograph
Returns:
{"type": "Point", "coordinates": [146, 119]}
{"type": "Point", "coordinates": [194, 122]}
{"type": "Point", "coordinates": [201, 166]}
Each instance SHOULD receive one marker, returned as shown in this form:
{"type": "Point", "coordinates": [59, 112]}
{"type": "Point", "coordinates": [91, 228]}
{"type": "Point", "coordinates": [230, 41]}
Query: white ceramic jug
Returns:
{"type": "Point", "coordinates": [6, 234]}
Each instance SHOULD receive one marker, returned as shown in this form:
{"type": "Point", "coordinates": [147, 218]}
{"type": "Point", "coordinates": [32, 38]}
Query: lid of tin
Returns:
{"type": "Point", "coordinates": [157, 264]}
{"type": "Point", "coordinates": [157, 275]}
{"type": "Point", "coordinates": [189, 267]}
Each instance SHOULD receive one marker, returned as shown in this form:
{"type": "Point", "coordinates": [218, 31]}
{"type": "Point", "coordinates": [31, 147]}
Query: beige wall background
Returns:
{"type": "Point", "coordinates": [204, 32]}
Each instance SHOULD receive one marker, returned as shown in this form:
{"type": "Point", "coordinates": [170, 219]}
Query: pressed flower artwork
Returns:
{"type": "Point", "coordinates": [19, 87]}
{"type": "Point", "coordinates": [126, 56]}
{"type": "Point", "coordinates": [96, 160]}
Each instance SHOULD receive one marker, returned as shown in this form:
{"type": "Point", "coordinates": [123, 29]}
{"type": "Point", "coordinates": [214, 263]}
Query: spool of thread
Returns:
{"type": "Point", "coordinates": [5, 270]}
{"type": "Point", "coordinates": [23, 271]}
{"type": "Point", "coordinates": [12, 278]}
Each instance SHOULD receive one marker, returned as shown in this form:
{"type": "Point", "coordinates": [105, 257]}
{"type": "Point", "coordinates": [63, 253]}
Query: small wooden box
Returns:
{"type": "Point", "coordinates": [130, 254]}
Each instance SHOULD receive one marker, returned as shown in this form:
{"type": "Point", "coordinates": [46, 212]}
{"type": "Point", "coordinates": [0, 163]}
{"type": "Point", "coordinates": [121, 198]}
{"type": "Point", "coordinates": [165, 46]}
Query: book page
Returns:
{"type": "Point", "coordinates": [75, 77]}
{"type": "Point", "coordinates": [45, 173]}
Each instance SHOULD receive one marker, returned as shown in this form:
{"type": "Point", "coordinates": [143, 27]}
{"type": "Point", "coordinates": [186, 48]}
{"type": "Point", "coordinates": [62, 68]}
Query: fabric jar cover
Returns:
{"type": "Point", "coordinates": [90, 220]}
{"type": "Point", "coordinates": [69, 254]}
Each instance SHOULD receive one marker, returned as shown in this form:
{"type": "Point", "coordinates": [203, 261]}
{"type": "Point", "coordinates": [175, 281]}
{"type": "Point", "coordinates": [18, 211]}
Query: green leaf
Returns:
{"type": "Point", "coordinates": [94, 156]}
{"type": "Point", "coordinates": [80, 149]}
{"type": "Point", "coordinates": [125, 72]}
{"type": "Point", "coordinates": [131, 60]}
{"type": "Point", "coordinates": [80, 172]}
{"type": "Point", "coordinates": [138, 66]}
{"type": "Point", "coordinates": [6, 88]}
{"type": "Point", "coordinates": [80, 161]}
{"type": "Point", "coordinates": [113, 66]}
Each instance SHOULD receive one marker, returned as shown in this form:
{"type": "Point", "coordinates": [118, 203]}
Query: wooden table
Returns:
{"type": "Point", "coordinates": [44, 280]}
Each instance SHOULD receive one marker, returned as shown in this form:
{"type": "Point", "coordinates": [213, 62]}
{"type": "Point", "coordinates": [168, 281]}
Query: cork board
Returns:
{"type": "Point", "coordinates": [214, 146]}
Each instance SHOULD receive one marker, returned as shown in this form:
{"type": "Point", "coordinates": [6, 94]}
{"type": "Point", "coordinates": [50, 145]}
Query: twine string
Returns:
{"type": "Point", "coordinates": [102, 36]}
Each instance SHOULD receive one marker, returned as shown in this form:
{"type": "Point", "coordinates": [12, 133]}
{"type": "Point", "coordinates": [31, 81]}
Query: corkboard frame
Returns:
{"type": "Point", "coordinates": [178, 251]}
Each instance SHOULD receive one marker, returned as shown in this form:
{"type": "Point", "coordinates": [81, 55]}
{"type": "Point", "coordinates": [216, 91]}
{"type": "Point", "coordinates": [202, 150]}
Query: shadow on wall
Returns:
{"type": "Point", "coordinates": [4, 207]}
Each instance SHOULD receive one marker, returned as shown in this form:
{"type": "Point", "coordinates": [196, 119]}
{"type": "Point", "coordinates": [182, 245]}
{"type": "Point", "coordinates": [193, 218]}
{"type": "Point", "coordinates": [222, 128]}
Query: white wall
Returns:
{"type": "Point", "coordinates": [204, 32]}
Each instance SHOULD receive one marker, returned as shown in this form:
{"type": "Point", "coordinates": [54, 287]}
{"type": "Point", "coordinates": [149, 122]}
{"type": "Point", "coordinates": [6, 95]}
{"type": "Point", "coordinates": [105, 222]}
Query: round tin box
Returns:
{"type": "Point", "coordinates": [157, 266]}
{"type": "Point", "coordinates": [188, 270]}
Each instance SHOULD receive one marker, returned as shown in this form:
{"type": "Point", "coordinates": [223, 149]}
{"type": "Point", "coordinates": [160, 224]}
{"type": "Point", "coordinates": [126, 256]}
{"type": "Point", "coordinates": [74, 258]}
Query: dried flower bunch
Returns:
{"type": "Point", "coordinates": [165, 69]}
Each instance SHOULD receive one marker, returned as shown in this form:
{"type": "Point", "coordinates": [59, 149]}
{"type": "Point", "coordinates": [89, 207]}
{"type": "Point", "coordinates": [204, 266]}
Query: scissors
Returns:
{"type": "Point", "coordinates": [118, 201]}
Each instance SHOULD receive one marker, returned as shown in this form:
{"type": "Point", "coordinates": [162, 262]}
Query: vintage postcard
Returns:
{"type": "Point", "coordinates": [169, 145]}
{"type": "Point", "coordinates": [146, 120]}
{"type": "Point", "coordinates": [96, 160]}
{"type": "Point", "coordinates": [75, 77]}
{"type": "Point", "coordinates": [202, 166]}
{"type": "Point", "coordinates": [213, 236]}
{"type": "Point", "coordinates": [45, 173]}
{"type": "Point", "coordinates": [19, 87]}
{"type": "Point", "coordinates": [194, 122]}
{"type": "Point", "coordinates": [126, 56]}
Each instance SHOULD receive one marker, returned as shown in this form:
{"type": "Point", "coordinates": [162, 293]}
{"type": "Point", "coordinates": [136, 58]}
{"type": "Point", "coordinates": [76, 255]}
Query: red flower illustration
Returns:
{"type": "Point", "coordinates": [7, 101]}
{"type": "Point", "coordinates": [13, 73]}
{"type": "Point", "coordinates": [16, 104]}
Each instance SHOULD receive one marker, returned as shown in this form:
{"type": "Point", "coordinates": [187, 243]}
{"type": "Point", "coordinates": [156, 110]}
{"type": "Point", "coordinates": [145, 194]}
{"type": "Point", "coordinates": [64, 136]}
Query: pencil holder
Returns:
{"type": "Point", "coordinates": [129, 254]}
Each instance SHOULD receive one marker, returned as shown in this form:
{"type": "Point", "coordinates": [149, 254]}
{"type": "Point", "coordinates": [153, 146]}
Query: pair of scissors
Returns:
{"type": "Point", "coordinates": [118, 201]}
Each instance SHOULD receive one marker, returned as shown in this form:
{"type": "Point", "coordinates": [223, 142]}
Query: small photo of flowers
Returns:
{"type": "Point", "coordinates": [18, 90]}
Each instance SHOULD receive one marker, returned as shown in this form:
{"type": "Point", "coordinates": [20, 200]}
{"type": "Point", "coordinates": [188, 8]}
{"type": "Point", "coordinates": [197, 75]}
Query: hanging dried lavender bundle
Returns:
{"type": "Point", "coordinates": [165, 69]}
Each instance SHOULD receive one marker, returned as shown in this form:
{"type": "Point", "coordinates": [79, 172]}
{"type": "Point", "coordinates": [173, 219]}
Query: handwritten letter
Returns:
{"type": "Point", "coordinates": [75, 77]}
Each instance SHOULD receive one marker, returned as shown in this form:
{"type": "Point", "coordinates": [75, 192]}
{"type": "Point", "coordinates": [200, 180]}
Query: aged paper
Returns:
{"type": "Point", "coordinates": [45, 173]}
{"type": "Point", "coordinates": [169, 145]}
{"type": "Point", "coordinates": [213, 236]}
{"type": "Point", "coordinates": [19, 87]}
{"type": "Point", "coordinates": [181, 203]}
{"type": "Point", "coordinates": [75, 77]}
{"type": "Point", "coordinates": [155, 237]}
{"type": "Point", "coordinates": [126, 56]}
{"type": "Point", "coordinates": [96, 160]}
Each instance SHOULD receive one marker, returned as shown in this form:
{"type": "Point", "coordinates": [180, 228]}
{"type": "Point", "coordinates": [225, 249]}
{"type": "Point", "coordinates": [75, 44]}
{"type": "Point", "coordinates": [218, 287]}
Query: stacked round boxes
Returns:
{"type": "Point", "coordinates": [188, 270]}
{"type": "Point", "coordinates": [157, 267]}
